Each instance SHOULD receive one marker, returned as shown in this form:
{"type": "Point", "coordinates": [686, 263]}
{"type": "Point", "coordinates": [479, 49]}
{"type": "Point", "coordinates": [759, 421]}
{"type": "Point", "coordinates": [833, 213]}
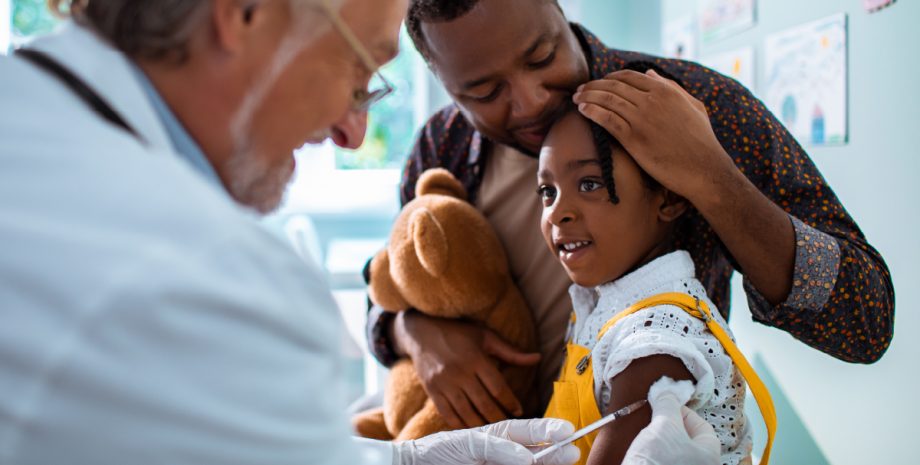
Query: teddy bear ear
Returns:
{"type": "Point", "coordinates": [382, 290]}
{"type": "Point", "coordinates": [439, 181]}
{"type": "Point", "coordinates": [430, 241]}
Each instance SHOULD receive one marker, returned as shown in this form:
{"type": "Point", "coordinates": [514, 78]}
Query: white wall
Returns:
{"type": "Point", "coordinates": [856, 414]}
{"type": "Point", "coordinates": [624, 24]}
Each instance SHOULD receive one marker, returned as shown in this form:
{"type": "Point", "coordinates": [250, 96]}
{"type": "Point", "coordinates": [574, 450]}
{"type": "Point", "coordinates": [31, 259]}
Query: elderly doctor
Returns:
{"type": "Point", "coordinates": [146, 317]}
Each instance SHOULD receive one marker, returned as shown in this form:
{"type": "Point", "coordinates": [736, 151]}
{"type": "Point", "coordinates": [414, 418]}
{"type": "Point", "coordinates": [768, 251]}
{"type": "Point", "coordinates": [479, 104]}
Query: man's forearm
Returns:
{"type": "Point", "coordinates": [396, 333]}
{"type": "Point", "coordinates": [379, 336]}
{"type": "Point", "coordinates": [757, 232]}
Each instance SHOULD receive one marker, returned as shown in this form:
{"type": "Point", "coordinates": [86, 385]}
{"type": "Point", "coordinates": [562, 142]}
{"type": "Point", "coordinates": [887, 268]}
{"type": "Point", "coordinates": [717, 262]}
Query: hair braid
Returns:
{"type": "Point", "coordinates": [604, 144]}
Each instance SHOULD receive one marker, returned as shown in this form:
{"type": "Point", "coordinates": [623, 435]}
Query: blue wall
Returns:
{"type": "Point", "coordinates": [624, 24]}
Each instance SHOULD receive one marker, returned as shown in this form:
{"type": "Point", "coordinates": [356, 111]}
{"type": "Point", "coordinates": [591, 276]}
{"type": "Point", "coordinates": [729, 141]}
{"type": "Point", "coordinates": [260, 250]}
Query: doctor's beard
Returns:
{"type": "Point", "coordinates": [254, 180]}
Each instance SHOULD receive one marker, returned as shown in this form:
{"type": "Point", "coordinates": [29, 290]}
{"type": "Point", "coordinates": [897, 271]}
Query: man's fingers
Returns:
{"type": "Point", "coordinates": [625, 91]}
{"type": "Point", "coordinates": [498, 348]}
{"type": "Point", "coordinates": [635, 79]}
{"type": "Point", "coordinates": [463, 407]}
{"type": "Point", "coordinates": [495, 383]}
{"type": "Point", "coordinates": [607, 100]}
{"type": "Point", "coordinates": [447, 411]}
{"type": "Point", "coordinates": [609, 120]}
{"type": "Point", "coordinates": [484, 403]}
{"type": "Point", "coordinates": [696, 103]}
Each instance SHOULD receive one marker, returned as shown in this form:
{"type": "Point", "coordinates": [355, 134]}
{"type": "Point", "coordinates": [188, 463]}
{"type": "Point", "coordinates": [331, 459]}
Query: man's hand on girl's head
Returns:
{"type": "Point", "coordinates": [665, 129]}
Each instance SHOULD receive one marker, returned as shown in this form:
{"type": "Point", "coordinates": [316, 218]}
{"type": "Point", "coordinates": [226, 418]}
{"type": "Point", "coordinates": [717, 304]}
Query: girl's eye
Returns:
{"type": "Point", "coordinates": [547, 194]}
{"type": "Point", "coordinates": [589, 185]}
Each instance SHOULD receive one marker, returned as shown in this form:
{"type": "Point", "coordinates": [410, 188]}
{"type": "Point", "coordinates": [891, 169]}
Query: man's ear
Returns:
{"type": "Point", "coordinates": [672, 206]}
{"type": "Point", "coordinates": [233, 20]}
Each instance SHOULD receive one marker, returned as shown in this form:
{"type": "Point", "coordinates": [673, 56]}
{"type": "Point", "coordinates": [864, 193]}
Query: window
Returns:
{"type": "Point", "coordinates": [28, 19]}
{"type": "Point", "coordinates": [5, 25]}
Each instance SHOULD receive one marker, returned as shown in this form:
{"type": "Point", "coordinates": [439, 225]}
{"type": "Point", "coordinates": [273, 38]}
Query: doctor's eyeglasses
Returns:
{"type": "Point", "coordinates": [362, 99]}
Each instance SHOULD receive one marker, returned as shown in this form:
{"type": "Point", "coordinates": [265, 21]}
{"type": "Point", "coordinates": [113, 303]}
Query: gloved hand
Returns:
{"type": "Point", "coordinates": [496, 444]}
{"type": "Point", "coordinates": [676, 435]}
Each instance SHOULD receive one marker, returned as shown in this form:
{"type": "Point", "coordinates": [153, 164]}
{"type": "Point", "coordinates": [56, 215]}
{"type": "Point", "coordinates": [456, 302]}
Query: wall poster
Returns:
{"type": "Point", "coordinates": [805, 80]}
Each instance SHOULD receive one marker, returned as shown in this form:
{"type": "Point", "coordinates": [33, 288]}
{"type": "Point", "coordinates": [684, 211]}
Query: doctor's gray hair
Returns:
{"type": "Point", "coordinates": [155, 29]}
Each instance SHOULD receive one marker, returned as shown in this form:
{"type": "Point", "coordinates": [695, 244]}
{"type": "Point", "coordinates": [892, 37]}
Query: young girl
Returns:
{"type": "Point", "coordinates": [611, 226]}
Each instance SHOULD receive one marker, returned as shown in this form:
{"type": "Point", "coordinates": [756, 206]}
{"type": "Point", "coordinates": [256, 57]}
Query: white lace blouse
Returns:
{"type": "Point", "coordinates": [665, 330]}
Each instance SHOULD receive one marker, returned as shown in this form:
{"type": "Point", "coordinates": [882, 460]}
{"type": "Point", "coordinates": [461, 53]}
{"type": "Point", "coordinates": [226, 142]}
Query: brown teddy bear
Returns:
{"type": "Point", "coordinates": [443, 259]}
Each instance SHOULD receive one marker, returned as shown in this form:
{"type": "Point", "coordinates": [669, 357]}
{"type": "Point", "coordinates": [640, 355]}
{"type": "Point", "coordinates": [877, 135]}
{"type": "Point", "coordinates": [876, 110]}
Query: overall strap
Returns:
{"type": "Point", "coordinates": [699, 309]}
{"type": "Point", "coordinates": [76, 85]}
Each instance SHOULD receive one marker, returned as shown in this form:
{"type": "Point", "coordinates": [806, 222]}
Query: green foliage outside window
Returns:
{"type": "Point", "coordinates": [31, 18]}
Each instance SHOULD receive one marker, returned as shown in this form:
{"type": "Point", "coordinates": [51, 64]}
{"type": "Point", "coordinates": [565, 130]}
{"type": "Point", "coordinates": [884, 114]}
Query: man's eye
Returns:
{"type": "Point", "coordinates": [544, 62]}
{"type": "Point", "coordinates": [589, 185]}
{"type": "Point", "coordinates": [488, 97]}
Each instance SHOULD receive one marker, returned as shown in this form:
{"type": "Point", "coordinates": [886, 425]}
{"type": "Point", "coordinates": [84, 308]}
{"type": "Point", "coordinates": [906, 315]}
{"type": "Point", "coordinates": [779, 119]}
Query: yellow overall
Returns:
{"type": "Point", "coordinates": [573, 395]}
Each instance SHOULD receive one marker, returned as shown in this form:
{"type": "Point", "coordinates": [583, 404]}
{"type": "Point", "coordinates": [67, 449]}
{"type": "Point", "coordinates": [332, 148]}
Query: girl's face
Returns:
{"type": "Point", "coordinates": [596, 241]}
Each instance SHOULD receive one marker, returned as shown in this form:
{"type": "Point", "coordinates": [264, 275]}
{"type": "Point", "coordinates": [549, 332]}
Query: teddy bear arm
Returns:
{"type": "Point", "coordinates": [427, 421]}
{"type": "Point", "coordinates": [370, 424]}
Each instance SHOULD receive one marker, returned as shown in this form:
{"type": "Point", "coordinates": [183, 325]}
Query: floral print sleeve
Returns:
{"type": "Point", "coordinates": [842, 299]}
{"type": "Point", "coordinates": [817, 263]}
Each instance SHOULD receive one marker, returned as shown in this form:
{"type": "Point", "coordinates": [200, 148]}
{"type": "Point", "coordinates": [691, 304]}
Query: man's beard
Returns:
{"type": "Point", "coordinates": [256, 183]}
{"type": "Point", "coordinates": [253, 179]}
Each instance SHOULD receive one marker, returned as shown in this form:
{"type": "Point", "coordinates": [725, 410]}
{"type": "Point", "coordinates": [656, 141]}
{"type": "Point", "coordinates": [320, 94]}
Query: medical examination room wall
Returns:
{"type": "Point", "coordinates": [831, 411]}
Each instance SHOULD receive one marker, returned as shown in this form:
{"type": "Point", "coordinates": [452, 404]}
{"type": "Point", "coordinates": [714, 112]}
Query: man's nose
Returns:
{"type": "Point", "coordinates": [349, 131]}
{"type": "Point", "coordinates": [529, 100]}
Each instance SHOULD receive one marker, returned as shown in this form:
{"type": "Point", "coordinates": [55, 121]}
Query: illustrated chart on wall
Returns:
{"type": "Point", "coordinates": [806, 80]}
{"type": "Point", "coordinates": [875, 5]}
{"type": "Point", "coordinates": [722, 18]}
{"type": "Point", "coordinates": [737, 64]}
{"type": "Point", "coordinates": [679, 39]}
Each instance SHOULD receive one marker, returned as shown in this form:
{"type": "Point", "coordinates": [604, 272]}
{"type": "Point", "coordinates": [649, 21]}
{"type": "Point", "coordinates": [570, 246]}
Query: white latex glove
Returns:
{"type": "Point", "coordinates": [676, 435]}
{"type": "Point", "coordinates": [496, 444]}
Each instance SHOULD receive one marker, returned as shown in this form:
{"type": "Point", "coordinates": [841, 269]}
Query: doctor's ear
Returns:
{"type": "Point", "coordinates": [234, 20]}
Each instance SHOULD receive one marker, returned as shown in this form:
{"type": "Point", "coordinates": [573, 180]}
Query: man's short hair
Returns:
{"type": "Point", "coordinates": [148, 29]}
{"type": "Point", "coordinates": [434, 11]}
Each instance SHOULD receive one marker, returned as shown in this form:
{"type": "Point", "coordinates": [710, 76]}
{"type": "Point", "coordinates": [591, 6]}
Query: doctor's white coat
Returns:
{"type": "Point", "coordinates": [144, 317]}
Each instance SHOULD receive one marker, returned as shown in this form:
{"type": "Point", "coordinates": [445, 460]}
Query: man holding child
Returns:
{"type": "Point", "coordinates": [758, 203]}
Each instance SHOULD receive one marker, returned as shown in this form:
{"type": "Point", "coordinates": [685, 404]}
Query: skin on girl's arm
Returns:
{"type": "Point", "coordinates": [631, 385]}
